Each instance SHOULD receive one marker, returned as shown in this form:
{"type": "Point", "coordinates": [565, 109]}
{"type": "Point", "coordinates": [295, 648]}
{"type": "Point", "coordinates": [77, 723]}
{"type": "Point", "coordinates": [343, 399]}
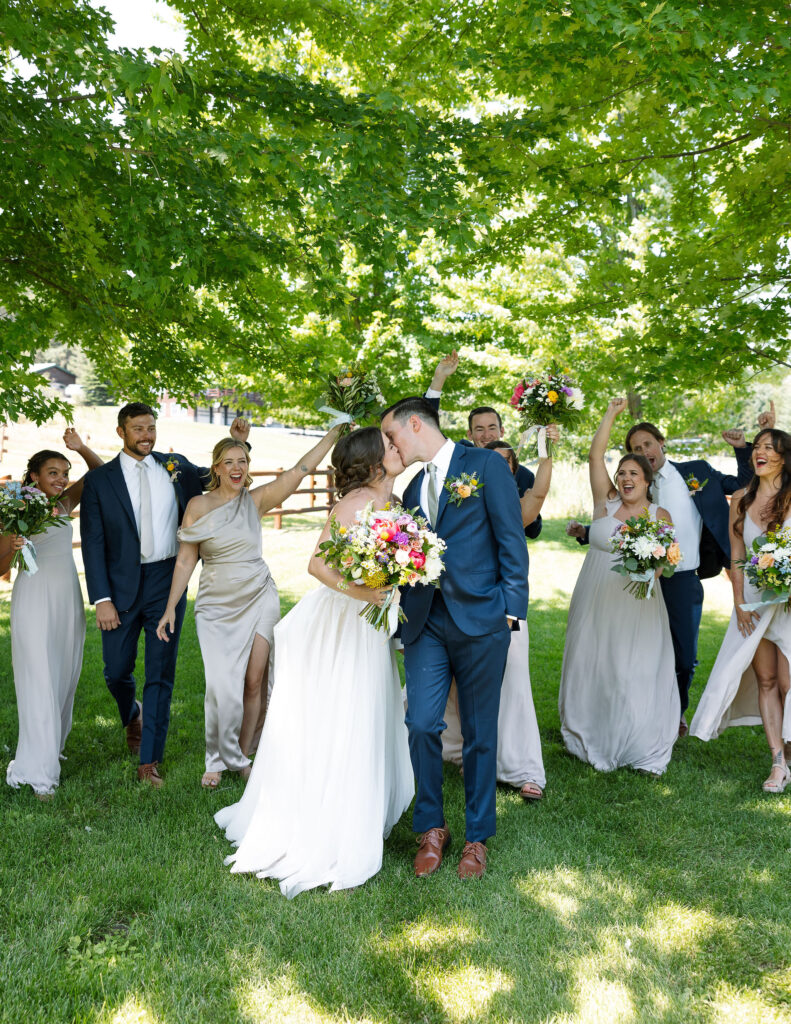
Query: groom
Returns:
{"type": "Point", "coordinates": [460, 629]}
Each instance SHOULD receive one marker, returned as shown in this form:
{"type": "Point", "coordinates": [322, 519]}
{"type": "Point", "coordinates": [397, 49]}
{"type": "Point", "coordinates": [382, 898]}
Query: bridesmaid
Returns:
{"type": "Point", "coordinates": [519, 760]}
{"type": "Point", "coordinates": [237, 604]}
{"type": "Point", "coordinates": [749, 683]}
{"type": "Point", "coordinates": [47, 627]}
{"type": "Point", "coordinates": [618, 700]}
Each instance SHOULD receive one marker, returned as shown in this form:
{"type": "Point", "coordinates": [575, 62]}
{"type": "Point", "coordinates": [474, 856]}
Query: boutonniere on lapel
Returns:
{"type": "Point", "coordinates": [172, 466]}
{"type": "Point", "coordinates": [694, 485]}
{"type": "Point", "coordinates": [465, 486]}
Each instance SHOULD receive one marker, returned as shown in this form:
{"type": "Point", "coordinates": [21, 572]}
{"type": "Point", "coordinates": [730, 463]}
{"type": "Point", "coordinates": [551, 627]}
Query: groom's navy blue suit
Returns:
{"type": "Point", "coordinates": [111, 555]}
{"type": "Point", "coordinates": [460, 630]}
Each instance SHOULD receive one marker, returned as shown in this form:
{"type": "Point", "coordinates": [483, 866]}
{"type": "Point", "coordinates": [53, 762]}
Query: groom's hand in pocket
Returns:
{"type": "Point", "coordinates": [107, 616]}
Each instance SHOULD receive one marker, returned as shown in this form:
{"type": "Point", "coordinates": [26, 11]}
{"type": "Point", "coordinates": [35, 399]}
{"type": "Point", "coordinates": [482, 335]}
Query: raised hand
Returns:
{"type": "Point", "coordinates": [240, 429]}
{"type": "Point", "coordinates": [735, 438]}
{"type": "Point", "coordinates": [72, 439]}
{"type": "Point", "coordinates": [445, 367]}
{"type": "Point", "coordinates": [767, 419]}
{"type": "Point", "coordinates": [617, 406]}
{"type": "Point", "coordinates": [553, 432]}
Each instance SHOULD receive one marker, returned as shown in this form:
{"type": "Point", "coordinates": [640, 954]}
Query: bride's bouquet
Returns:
{"type": "Point", "coordinates": [643, 546]}
{"type": "Point", "coordinates": [27, 511]}
{"type": "Point", "coordinates": [351, 397]}
{"type": "Point", "coordinates": [768, 568]}
{"type": "Point", "coordinates": [551, 398]}
{"type": "Point", "coordinates": [387, 547]}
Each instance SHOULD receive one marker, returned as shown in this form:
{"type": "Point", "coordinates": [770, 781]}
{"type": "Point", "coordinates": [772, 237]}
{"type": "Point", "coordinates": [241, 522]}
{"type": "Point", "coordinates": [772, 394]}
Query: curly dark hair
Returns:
{"type": "Point", "coordinates": [781, 442]}
{"type": "Point", "coordinates": [645, 465]}
{"type": "Point", "coordinates": [357, 459]}
{"type": "Point", "coordinates": [35, 462]}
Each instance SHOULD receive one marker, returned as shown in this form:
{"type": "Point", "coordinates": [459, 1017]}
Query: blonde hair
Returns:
{"type": "Point", "coordinates": [217, 455]}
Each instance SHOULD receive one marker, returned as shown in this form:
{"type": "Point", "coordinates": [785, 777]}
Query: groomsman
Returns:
{"type": "Point", "coordinates": [131, 510]}
{"type": "Point", "coordinates": [483, 425]}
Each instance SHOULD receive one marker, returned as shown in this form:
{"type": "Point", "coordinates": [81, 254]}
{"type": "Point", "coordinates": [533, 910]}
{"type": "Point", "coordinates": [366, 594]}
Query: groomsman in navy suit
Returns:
{"type": "Point", "coordinates": [460, 629]}
{"type": "Point", "coordinates": [695, 495]}
{"type": "Point", "coordinates": [484, 424]}
{"type": "Point", "coordinates": [131, 509]}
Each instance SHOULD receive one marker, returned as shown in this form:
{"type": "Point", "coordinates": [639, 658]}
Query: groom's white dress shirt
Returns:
{"type": "Point", "coordinates": [164, 507]}
{"type": "Point", "coordinates": [672, 493]}
{"type": "Point", "coordinates": [442, 461]}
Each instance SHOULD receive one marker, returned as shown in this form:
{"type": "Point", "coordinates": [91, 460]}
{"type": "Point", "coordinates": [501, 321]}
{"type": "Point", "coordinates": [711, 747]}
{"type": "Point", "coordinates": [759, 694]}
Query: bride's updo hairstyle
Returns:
{"type": "Point", "coordinates": [35, 462]}
{"type": "Point", "coordinates": [644, 465]}
{"type": "Point", "coordinates": [776, 514]}
{"type": "Point", "coordinates": [218, 455]}
{"type": "Point", "coordinates": [357, 459]}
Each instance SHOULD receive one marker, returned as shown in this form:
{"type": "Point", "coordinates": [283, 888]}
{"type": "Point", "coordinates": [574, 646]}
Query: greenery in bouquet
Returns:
{"type": "Point", "coordinates": [354, 392]}
{"type": "Point", "coordinates": [645, 547]}
{"type": "Point", "coordinates": [27, 511]}
{"type": "Point", "coordinates": [768, 568]}
{"type": "Point", "coordinates": [388, 547]}
{"type": "Point", "coordinates": [553, 397]}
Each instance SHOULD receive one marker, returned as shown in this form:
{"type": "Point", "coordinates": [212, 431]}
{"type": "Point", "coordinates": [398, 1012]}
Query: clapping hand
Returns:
{"type": "Point", "coordinates": [735, 438]}
{"type": "Point", "coordinates": [767, 420]}
{"type": "Point", "coordinates": [240, 429]}
{"type": "Point", "coordinates": [72, 439]}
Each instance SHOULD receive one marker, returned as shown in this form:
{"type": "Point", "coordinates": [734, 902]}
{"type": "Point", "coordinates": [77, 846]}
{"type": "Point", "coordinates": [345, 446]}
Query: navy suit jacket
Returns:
{"type": "Point", "coordinates": [485, 576]}
{"type": "Point", "coordinates": [108, 531]}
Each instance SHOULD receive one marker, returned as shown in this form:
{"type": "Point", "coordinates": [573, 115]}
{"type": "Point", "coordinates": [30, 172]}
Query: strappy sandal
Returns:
{"type": "Point", "coordinates": [531, 792]}
{"type": "Point", "coordinates": [775, 785]}
{"type": "Point", "coordinates": [210, 780]}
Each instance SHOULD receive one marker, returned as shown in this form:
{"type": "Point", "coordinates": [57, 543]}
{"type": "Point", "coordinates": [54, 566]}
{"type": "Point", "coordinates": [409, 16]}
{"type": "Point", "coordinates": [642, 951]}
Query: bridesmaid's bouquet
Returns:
{"type": "Point", "coordinates": [387, 547]}
{"type": "Point", "coordinates": [27, 511]}
{"type": "Point", "coordinates": [351, 397]}
{"type": "Point", "coordinates": [644, 546]}
{"type": "Point", "coordinates": [768, 568]}
{"type": "Point", "coordinates": [551, 398]}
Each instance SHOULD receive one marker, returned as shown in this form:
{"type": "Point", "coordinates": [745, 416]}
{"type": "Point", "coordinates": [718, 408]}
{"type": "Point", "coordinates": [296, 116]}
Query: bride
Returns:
{"type": "Point", "coordinates": [332, 774]}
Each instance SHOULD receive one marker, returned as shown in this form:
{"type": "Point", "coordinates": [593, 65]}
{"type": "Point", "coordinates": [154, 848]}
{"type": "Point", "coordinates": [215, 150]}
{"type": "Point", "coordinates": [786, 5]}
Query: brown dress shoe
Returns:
{"type": "Point", "coordinates": [683, 728]}
{"type": "Point", "coordinates": [134, 731]}
{"type": "Point", "coordinates": [429, 855]}
{"type": "Point", "coordinates": [473, 860]}
{"type": "Point", "coordinates": [148, 773]}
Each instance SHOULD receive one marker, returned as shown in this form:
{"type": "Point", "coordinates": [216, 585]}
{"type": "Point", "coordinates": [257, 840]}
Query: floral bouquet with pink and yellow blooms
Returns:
{"type": "Point", "coordinates": [387, 547]}
{"type": "Point", "coordinates": [551, 398]}
{"type": "Point", "coordinates": [645, 546]}
{"type": "Point", "coordinates": [768, 568]}
{"type": "Point", "coordinates": [27, 511]}
{"type": "Point", "coordinates": [351, 396]}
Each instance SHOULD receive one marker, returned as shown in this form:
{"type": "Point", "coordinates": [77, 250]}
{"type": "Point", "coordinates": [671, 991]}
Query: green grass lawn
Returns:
{"type": "Point", "coordinates": [618, 898]}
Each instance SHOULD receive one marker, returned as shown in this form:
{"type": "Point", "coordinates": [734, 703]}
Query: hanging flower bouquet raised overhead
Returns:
{"type": "Point", "coordinates": [553, 397]}
{"type": "Point", "coordinates": [27, 511]}
{"type": "Point", "coordinates": [352, 396]}
{"type": "Point", "coordinates": [643, 546]}
{"type": "Point", "coordinates": [768, 568]}
{"type": "Point", "coordinates": [387, 547]}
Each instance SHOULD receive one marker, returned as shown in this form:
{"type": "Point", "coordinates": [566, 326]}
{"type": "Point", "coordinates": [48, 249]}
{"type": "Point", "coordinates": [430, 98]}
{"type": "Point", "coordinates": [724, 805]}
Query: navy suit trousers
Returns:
{"type": "Point", "coordinates": [683, 594]}
{"type": "Point", "coordinates": [439, 652]}
{"type": "Point", "coordinates": [119, 649]}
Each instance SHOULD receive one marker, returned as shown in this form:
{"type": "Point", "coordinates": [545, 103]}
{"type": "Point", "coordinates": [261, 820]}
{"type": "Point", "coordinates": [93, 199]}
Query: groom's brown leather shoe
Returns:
{"type": "Point", "coordinates": [148, 773]}
{"type": "Point", "coordinates": [473, 860]}
{"type": "Point", "coordinates": [429, 855]}
{"type": "Point", "coordinates": [134, 731]}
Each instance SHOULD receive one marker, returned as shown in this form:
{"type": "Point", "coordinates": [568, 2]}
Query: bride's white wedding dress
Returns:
{"type": "Point", "coordinates": [332, 774]}
{"type": "Point", "coordinates": [731, 693]}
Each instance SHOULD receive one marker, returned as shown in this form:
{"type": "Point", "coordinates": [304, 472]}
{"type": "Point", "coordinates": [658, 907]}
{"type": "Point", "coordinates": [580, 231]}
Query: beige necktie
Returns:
{"type": "Point", "coordinates": [433, 496]}
{"type": "Point", "coordinates": [146, 522]}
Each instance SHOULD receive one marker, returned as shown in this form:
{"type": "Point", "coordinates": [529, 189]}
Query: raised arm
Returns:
{"type": "Point", "coordinates": [273, 495]}
{"type": "Point", "coordinates": [70, 498]}
{"type": "Point", "coordinates": [601, 485]}
{"type": "Point", "coordinates": [744, 467]}
{"type": "Point", "coordinates": [532, 500]}
{"type": "Point", "coordinates": [445, 367]}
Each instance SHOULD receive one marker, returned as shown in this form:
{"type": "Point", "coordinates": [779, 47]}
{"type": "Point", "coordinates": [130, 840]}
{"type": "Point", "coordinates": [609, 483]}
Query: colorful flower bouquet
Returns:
{"type": "Point", "coordinates": [768, 568]}
{"type": "Point", "coordinates": [644, 546]}
{"type": "Point", "coordinates": [387, 547]}
{"type": "Point", "coordinates": [27, 511]}
{"type": "Point", "coordinates": [351, 397]}
{"type": "Point", "coordinates": [553, 398]}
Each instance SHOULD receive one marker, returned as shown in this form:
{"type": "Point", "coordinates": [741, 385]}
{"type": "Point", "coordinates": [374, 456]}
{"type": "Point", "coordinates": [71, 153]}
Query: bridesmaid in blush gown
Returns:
{"type": "Point", "coordinates": [237, 604]}
{"type": "Point", "coordinates": [749, 683]}
{"type": "Point", "coordinates": [332, 774]}
{"type": "Point", "coordinates": [47, 628]}
{"type": "Point", "coordinates": [619, 703]}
